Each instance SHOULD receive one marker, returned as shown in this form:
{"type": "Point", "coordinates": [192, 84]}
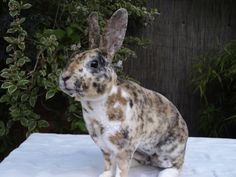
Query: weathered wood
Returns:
{"type": "Point", "coordinates": [184, 30]}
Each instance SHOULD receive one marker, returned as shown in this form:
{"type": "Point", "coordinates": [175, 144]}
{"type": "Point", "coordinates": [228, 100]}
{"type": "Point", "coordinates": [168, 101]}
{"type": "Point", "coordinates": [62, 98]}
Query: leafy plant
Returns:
{"type": "Point", "coordinates": [21, 96]}
{"type": "Point", "coordinates": [38, 43]}
{"type": "Point", "coordinates": [215, 79]}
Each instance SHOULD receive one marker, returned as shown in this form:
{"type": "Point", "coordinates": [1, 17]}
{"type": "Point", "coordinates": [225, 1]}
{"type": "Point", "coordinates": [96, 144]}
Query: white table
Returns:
{"type": "Point", "coordinates": [54, 155]}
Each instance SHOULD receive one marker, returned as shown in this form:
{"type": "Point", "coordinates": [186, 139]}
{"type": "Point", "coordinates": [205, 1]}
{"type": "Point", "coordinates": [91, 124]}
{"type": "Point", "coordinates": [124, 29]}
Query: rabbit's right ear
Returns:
{"type": "Point", "coordinates": [94, 31]}
{"type": "Point", "coordinates": [114, 33]}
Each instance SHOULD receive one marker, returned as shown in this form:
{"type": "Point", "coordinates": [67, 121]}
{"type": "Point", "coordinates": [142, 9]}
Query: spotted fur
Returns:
{"type": "Point", "coordinates": [124, 119]}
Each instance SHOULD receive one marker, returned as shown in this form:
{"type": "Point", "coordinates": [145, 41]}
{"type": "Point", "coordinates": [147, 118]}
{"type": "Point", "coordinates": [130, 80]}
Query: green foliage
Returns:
{"type": "Point", "coordinates": [17, 80]}
{"type": "Point", "coordinates": [38, 43]}
{"type": "Point", "coordinates": [215, 79]}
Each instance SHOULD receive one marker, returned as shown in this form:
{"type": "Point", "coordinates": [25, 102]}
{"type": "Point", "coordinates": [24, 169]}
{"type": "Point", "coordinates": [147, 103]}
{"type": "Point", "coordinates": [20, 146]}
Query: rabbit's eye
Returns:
{"type": "Point", "coordinates": [94, 64]}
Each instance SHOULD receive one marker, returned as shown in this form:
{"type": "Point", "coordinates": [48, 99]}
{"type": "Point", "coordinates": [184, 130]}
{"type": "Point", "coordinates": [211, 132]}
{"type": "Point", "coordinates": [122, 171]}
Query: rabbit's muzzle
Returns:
{"type": "Point", "coordinates": [69, 85]}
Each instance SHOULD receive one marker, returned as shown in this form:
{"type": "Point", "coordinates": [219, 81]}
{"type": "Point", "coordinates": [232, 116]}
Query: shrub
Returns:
{"type": "Point", "coordinates": [215, 78]}
{"type": "Point", "coordinates": [39, 37]}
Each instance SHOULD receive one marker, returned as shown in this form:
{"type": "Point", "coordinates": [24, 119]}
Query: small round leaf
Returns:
{"type": "Point", "coordinates": [12, 89]}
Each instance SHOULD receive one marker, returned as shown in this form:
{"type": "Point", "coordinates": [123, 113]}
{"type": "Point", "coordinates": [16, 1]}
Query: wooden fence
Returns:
{"type": "Point", "coordinates": [184, 30]}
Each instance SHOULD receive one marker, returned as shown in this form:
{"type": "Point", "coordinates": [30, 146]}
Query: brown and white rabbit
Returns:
{"type": "Point", "coordinates": [124, 119]}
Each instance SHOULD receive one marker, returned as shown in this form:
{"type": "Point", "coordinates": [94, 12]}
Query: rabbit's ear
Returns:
{"type": "Point", "coordinates": [94, 31]}
{"type": "Point", "coordinates": [114, 33]}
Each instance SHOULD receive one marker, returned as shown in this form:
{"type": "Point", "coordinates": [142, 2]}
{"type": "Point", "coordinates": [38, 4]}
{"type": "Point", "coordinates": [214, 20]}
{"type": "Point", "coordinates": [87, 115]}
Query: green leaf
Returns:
{"type": "Point", "coordinates": [36, 116]}
{"type": "Point", "coordinates": [32, 100]}
{"type": "Point", "coordinates": [43, 72]}
{"type": "Point", "coordinates": [12, 89]}
{"type": "Point", "coordinates": [43, 124]}
{"type": "Point", "coordinates": [75, 38]}
{"type": "Point", "coordinates": [53, 38]}
{"type": "Point", "coordinates": [13, 108]}
{"type": "Point", "coordinates": [22, 74]}
{"type": "Point", "coordinates": [10, 40]}
{"type": "Point", "coordinates": [15, 114]}
{"type": "Point", "coordinates": [26, 6]}
{"type": "Point", "coordinates": [4, 98]}
{"type": "Point", "coordinates": [69, 31]}
{"type": "Point", "coordinates": [28, 133]}
{"type": "Point", "coordinates": [32, 124]}
{"type": "Point", "coordinates": [5, 74]}
{"type": "Point", "coordinates": [24, 122]}
{"type": "Point", "coordinates": [13, 4]}
{"type": "Point", "coordinates": [72, 108]}
{"type": "Point", "coordinates": [23, 82]}
{"type": "Point", "coordinates": [9, 60]}
{"type": "Point", "coordinates": [26, 59]}
{"type": "Point", "coordinates": [59, 33]}
{"type": "Point", "coordinates": [21, 62]}
{"type": "Point", "coordinates": [48, 84]}
{"type": "Point", "coordinates": [9, 48]}
{"type": "Point", "coordinates": [10, 124]}
{"type": "Point", "coordinates": [6, 85]}
{"type": "Point", "coordinates": [78, 124]}
{"type": "Point", "coordinates": [50, 94]}
{"type": "Point", "coordinates": [14, 98]}
{"type": "Point", "coordinates": [24, 97]}
{"type": "Point", "coordinates": [21, 45]}
{"type": "Point", "coordinates": [22, 20]}
{"type": "Point", "coordinates": [14, 13]}
{"type": "Point", "coordinates": [2, 128]}
{"type": "Point", "coordinates": [12, 30]}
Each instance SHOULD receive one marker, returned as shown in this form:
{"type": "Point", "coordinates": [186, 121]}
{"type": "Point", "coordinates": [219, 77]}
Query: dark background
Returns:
{"type": "Point", "coordinates": [184, 30]}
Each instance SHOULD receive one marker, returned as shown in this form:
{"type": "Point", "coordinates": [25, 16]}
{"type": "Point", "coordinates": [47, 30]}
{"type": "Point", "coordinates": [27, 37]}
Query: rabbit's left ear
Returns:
{"type": "Point", "coordinates": [114, 33]}
{"type": "Point", "coordinates": [94, 31]}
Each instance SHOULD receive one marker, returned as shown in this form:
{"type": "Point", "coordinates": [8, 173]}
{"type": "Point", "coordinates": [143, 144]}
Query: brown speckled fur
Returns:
{"type": "Point", "coordinates": [124, 119]}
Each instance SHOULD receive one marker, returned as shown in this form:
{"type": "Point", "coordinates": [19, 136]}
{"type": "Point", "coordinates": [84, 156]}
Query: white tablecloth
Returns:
{"type": "Point", "coordinates": [54, 155]}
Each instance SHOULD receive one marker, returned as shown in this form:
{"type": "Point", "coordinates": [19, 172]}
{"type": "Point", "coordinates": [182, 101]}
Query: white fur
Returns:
{"type": "Point", "coordinates": [106, 174]}
{"type": "Point", "coordinates": [169, 172]}
{"type": "Point", "coordinates": [118, 172]}
{"type": "Point", "coordinates": [99, 113]}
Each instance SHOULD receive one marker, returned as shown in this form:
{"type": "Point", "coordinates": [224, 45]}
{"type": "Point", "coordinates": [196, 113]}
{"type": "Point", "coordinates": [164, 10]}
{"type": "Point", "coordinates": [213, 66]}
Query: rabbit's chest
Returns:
{"type": "Point", "coordinates": [100, 129]}
{"type": "Point", "coordinates": [103, 123]}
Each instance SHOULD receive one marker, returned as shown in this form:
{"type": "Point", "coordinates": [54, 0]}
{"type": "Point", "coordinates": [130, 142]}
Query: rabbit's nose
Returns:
{"type": "Point", "coordinates": [78, 84]}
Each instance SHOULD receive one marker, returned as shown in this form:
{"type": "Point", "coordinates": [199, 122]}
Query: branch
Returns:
{"type": "Point", "coordinates": [37, 61]}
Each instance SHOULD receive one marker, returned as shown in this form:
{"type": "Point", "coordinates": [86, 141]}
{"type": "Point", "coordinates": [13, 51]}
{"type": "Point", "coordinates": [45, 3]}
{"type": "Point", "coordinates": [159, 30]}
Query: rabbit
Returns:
{"type": "Point", "coordinates": [124, 119]}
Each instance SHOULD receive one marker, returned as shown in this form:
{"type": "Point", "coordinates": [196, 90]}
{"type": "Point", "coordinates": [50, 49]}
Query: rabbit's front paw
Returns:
{"type": "Point", "coordinates": [106, 174]}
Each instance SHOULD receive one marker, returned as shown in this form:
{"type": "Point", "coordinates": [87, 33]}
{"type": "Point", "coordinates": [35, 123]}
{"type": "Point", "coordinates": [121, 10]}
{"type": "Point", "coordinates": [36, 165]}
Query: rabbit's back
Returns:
{"type": "Point", "coordinates": [160, 129]}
